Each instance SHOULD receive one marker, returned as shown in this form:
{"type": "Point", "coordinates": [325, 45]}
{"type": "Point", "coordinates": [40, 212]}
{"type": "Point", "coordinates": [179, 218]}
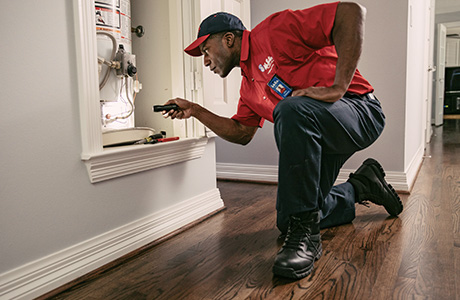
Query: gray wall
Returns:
{"type": "Point", "coordinates": [383, 63]}
{"type": "Point", "coordinates": [47, 202]}
{"type": "Point", "coordinates": [448, 17]}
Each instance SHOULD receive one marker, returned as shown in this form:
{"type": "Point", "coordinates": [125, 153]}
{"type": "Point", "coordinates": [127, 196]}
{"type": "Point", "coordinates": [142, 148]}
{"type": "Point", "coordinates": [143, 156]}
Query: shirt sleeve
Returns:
{"type": "Point", "coordinates": [246, 116]}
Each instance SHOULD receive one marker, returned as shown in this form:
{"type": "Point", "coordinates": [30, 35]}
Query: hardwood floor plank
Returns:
{"type": "Point", "coordinates": [230, 255]}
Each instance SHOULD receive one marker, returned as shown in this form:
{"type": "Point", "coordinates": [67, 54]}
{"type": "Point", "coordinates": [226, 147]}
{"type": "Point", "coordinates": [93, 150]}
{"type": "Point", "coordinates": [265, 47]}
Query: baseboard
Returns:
{"type": "Point", "coordinates": [41, 276]}
{"type": "Point", "coordinates": [398, 180]}
{"type": "Point", "coordinates": [401, 181]}
{"type": "Point", "coordinates": [247, 172]}
{"type": "Point", "coordinates": [414, 167]}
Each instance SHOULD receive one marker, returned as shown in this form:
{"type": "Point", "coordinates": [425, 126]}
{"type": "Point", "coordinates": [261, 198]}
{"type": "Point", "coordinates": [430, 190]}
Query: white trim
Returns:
{"type": "Point", "coordinates": [414, 166]}
{"type": "Point", "coordinates": [87, 77]}
{"type": "Point", "coordinates": [401, 181]}
{"type": "Point", "coordinates": [265, 173]}
{"type": "Point", "coordinates": [127, 160]}
{"type": "Point", "coordinates": [177, 61]}
{"type": "Point", "coordinates": [397, 179]}
{"type": "Point", "coordinates": [41, 276]}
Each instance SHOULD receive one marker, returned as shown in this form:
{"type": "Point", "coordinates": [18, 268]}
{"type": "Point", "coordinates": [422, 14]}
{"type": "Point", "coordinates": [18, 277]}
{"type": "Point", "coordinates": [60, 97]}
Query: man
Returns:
{"type": "Point", "coordinates": [299, 71]}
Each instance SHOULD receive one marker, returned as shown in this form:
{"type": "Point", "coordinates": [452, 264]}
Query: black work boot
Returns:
{"type": "Point", "coordinates": [369, 184]}
{"type": "Point", "coordinates": [302, 246]}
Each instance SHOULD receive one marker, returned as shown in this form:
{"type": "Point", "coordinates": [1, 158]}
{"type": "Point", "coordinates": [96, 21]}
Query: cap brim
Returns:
{"type": "Point", "coordinates": [194, 48]}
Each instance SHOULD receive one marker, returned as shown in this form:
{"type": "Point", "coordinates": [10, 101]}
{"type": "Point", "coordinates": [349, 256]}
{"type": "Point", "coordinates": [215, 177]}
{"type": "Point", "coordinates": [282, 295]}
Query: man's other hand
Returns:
{"type": "Point", "coordinates": [326, 94]}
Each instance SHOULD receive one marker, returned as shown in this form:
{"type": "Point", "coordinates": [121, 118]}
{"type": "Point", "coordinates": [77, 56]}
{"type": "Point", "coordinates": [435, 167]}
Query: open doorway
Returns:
{"type": "Point", "coordinates": [447, 60]}
{"type": "Point", "coordinates": [447, 82]}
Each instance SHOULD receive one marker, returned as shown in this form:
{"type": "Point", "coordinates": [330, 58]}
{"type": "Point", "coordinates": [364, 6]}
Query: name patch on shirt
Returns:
{"type": "Point", "coordinates": [267, 65]}
{"type": "Point", "coordinates": [279, 86]}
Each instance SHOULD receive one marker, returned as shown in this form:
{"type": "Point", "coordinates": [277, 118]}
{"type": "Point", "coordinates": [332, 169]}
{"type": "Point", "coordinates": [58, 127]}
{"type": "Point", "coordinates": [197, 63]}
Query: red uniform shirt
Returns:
{"type": "Point", "coordinates": [297, 47]}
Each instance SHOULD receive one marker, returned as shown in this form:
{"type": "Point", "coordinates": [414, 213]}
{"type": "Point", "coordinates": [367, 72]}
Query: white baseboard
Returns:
{"type": "Point", "coordinates": [397, 179]}
{"type": "Point", "coordinates": [414, 167]}
{"type": "Point", "coordinates": [48, 273]}
{"type": "Point", "coordinates": [401, 181]}
{"type": "Point", "coordinates": [264, 173]}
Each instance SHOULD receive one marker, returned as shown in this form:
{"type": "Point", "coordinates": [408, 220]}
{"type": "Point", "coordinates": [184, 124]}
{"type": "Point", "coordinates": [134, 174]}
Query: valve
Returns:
{"type": "Point", "coordinates": [132, 70]}
{"type": "Point", "coordinates": [125, 59]}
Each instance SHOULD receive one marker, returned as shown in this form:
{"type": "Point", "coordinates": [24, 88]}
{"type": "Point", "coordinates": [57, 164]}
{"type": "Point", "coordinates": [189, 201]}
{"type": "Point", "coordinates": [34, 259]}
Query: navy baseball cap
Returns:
{"type": "Point", "coordinates": [215, 23]}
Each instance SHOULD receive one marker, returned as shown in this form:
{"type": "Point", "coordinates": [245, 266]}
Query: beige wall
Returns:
{"type": "Point", "coordinates": [391, 61]}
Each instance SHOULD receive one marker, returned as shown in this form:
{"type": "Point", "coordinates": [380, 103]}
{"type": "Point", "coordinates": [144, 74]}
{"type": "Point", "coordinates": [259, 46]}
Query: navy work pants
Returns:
{"type": "Point", "coordinates": [314, 140]}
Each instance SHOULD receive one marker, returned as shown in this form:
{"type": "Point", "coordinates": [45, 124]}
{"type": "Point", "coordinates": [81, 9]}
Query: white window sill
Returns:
{"type": "Point", "coordinates": [121, 161]}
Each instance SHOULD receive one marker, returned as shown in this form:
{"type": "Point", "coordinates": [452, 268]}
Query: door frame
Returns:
{"type": "Point", "coordinates": [440, 69]}
{"type": "Point", "coordinates": [435, 88]}
{"type": "Point", "coordinates": [431, 68]}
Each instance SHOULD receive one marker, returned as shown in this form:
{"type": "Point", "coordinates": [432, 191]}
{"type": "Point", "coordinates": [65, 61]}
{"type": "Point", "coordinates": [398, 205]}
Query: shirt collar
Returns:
{"type": "Point", "coordinates": [245, 45]}
{"type": "Point", "coordinates": [244, 50]}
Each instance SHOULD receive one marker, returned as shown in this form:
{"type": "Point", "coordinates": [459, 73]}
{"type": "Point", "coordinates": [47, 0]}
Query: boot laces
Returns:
{"type": "Point", "coordinates": [296, 234]}
{"type": "Point", "coordinates": [365, 203]}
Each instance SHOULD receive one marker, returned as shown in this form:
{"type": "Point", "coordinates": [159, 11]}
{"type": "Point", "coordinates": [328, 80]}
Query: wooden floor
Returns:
{"type": "Point", "coordinates": [230, 255]}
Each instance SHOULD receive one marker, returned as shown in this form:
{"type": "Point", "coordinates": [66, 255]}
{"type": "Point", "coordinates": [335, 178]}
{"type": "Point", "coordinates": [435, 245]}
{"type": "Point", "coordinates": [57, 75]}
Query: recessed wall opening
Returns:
{"type": "Point", "coordinates": [161, 69]}
{"type": "Point", "coordinates": [134, 70]}
{"type": "Point", "coordinates": [163, 72]}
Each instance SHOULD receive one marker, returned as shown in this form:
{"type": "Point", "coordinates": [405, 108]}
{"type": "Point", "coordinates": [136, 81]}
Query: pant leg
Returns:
{"type": "Point", "coordinates": [338, 207]}
{"type": "Point", "coordinates": [338, 204]}
{"type": "Point", "coordinates": [306, 130]}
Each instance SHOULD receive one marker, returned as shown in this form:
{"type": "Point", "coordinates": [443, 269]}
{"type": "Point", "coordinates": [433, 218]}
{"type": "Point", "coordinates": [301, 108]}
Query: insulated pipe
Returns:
{"type": "Point", "coordinates": [114, 51]}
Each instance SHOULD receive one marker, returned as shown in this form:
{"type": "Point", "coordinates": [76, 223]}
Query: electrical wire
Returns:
{"type": "Point", "coordinates": [131, 103]}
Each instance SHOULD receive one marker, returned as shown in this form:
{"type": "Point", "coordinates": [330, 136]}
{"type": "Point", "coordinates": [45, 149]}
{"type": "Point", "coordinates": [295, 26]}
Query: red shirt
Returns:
{"type": "Point", "coordinates": [297, 47]}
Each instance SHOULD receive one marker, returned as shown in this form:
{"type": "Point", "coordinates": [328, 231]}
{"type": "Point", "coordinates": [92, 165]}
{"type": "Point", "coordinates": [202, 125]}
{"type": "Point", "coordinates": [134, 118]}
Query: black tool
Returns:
{"type": "Point", "coordinates": [157, 108]}
{"type": "Point", "coordinates": [149, 139]}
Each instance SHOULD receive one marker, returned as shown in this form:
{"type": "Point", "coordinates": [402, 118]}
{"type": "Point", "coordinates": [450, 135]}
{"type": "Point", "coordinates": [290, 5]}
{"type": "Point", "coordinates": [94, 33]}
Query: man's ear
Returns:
{"type": "Point", "coordinates": [229, 39]}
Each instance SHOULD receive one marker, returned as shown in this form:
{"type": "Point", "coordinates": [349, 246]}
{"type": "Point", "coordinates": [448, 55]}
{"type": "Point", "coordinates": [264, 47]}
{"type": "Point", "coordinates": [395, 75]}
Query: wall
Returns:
{"type": "Point", "coordinates": [49, 211]}
{"type": "Point", "coordinates": [154, 55]}
{"type": "Point", "coordinates": [447, 6]}
{"type": "Point", "coordinates": [448, 17]}
{"type": "Point", "coordinates": [384, 63]}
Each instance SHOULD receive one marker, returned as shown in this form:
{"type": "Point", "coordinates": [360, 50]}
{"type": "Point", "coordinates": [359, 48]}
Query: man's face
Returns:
{"type": "Point", "coordinates": [217, 55]}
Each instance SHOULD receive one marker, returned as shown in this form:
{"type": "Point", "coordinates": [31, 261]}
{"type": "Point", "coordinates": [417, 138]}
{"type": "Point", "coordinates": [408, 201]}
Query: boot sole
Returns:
{"type": "Point", "coordinates": [396, 206]}
{"type": "Point", "coordinates": [295, 274]}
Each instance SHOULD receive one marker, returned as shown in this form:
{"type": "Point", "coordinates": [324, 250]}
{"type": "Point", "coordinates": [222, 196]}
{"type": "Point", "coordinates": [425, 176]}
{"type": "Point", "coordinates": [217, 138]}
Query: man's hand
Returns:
{"type": "Point", "coordinates": [326, 94]}
{"type": "Point", "coordinates": [184, 111]}
{"type": "Point", "coordinates": [226, 128]}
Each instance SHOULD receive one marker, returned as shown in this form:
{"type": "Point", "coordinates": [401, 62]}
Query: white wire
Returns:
{"type": "Point", "coordinates": [129, 112]}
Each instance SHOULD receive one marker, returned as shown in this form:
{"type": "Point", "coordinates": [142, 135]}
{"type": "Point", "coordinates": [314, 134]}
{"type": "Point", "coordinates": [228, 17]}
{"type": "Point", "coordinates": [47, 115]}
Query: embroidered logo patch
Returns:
{"type": "Point", "coordinates": [267, 65]}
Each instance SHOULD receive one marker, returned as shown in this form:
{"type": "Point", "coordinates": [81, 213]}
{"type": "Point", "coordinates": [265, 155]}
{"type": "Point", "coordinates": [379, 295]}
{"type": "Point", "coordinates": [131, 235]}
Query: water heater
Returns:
{"type": "Point", "coordinates": [117, 71]}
